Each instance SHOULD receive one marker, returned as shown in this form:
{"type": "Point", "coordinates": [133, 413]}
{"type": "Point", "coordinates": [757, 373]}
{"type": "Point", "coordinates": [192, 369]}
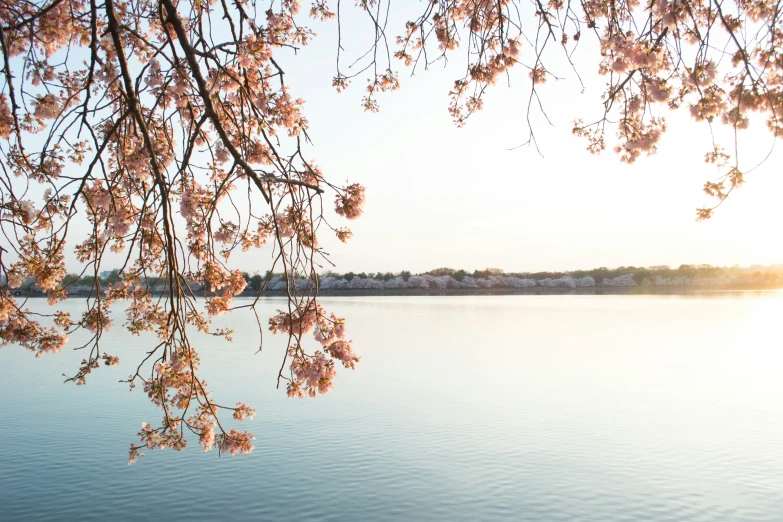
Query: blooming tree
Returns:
{"type": "Point", "coordinates": [168, 129]}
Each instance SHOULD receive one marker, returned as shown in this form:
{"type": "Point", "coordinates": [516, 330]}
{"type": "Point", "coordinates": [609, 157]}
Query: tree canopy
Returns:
{"type": "Point", "coordinates": [169, 129]}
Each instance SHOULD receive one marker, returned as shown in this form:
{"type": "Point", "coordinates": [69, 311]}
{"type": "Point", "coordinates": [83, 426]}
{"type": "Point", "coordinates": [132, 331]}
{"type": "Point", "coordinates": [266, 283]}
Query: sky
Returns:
{"type": "Point", "coordinates": [438, 195]}
{"type": "Point", "coordinates": [472, 197]}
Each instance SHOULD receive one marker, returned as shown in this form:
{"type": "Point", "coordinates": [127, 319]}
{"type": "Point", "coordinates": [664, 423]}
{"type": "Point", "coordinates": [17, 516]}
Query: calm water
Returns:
{"type": "Point", "coordinates": [593, 408]}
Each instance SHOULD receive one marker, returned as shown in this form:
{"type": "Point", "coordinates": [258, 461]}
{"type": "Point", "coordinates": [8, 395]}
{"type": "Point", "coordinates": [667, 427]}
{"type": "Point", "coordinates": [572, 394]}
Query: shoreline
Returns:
{"type": "Point", "coordinates": [596, 290]}
{"type": "Point", "coordinates": [537, 290]}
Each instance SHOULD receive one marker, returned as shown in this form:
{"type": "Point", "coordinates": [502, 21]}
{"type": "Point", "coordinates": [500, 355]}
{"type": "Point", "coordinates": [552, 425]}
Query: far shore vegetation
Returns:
{"type": "Point", "coordinates": [457, 279]}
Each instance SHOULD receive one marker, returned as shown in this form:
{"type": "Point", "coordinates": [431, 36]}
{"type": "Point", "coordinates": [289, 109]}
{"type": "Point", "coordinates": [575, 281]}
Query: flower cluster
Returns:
{"type": "Point", "coordinates": [350, 203]}
{"type": "Point", "coordinates": [18, 328]}
{"type": "Point", "coordinates": [671, 61]}
{"type": "Point", "coordinates": [176, 153]}
{"type": "Point", "coordinates": [313, 374]}
{"type": "Point", "coordinates": [235, 442]}
{"type": "Point", "coordinates": [243, 411]}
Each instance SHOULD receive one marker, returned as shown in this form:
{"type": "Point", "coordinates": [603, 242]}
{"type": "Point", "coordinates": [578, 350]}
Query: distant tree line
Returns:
{"type": "Point", "coordinates": [444, 277]}
{"type": "Point", "coordinates": [450, 278]}
{"type": "Point", "coordinates": [701, 271]}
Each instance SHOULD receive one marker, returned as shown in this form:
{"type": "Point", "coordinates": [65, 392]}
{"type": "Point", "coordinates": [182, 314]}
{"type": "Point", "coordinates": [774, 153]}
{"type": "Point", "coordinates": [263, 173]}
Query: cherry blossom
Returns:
{"type": "Point", "coordinates": [174, 150]}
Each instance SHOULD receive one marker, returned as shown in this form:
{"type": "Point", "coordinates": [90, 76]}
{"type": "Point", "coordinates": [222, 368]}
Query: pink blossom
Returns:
{"type": "Point", "coordinates": [350, 202]}
{"type": "Point", "coordinates": [235, 442]}
{"type": "Point", "coordinates": [243, 411]}
{"type": "Point", "coordinates": [207, 436]}
{"type": "Point", "coordinates": [47, 107]}
{"type": "Point", "coordinates": [342, 351]}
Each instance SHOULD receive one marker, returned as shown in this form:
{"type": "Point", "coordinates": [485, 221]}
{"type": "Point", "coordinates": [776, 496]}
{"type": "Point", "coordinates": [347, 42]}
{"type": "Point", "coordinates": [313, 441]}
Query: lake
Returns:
{"type": "Point", "coordinates": [527, 407]}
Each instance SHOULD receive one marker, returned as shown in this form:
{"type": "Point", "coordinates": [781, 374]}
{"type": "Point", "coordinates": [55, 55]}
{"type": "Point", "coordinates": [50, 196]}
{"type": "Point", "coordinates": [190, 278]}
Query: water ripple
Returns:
{"type": "Point", "coordinates": [532, 408]}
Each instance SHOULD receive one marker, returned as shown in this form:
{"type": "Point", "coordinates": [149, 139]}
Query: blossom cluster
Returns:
{"type": "Point", "coordinates": [177, 152]}
{"type": "Point", "coordinates": [313, 374]}
{"type": "Point", "coordinates": [174, 153]}
{"type": "Point", "coordinates": [350, 202]}
{"type": "Point", "coordinates": [722, 63]}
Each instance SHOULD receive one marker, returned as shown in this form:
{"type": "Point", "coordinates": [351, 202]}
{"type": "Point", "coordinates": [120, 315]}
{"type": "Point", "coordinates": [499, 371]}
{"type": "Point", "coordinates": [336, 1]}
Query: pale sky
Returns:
{"type": "Point", "coordinates": [438, 195]}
